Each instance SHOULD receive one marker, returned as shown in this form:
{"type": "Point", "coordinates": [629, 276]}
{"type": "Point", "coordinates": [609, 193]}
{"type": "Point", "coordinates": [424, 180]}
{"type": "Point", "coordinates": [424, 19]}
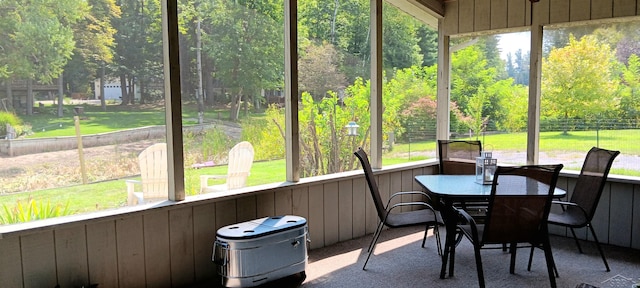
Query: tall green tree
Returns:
{"type": "Point", "coordinates": [630, 94]}
{"type": "Point", "coordinates": [469, 71]}
{"type": "Point", "coordinates": [400, 42]}
{"type": "Point", "coordinates": [138, 51]}
{"type": "Point", "coordinates": [94, 47]}
{"type": "Point", "coordinates": [577, 80]}
{"type": "Point", "coordinates": [40, 38]}
{"type": "Point", "coordinates": [319, 71]}
{"type": "Point", "coordinates": [428, 44]}
{"type": "Point", "coordinates": [246, 46]}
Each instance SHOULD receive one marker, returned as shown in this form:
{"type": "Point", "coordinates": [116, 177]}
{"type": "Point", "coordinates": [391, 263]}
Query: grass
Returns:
{"type": "Point", "coordinates": [112, 193]}
{"type": "Point", "coordinates": [117, 117]}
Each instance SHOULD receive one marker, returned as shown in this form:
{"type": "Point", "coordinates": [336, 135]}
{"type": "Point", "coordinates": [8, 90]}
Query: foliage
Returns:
{"type": "Point", "coordinates": [138, 47]}
{"type": "Point", "coordinates": [518, 66]}
{"type": "Point", "coordinates": [410, 90]}
{"type": "Point", "coordinates": [32, 210]}
{"type": "Point", "coordinates": [476, 122]}
{"type": "Point", "coordinates": [253, 31]}
{"type": "Point", "coordinates": [319, 71]}
{"type": "Point", "coordinates": [94, 45]}
{"type": "Point", "coordinates": [210, 145]}
{"type": "Point", "coordinates": [266, 134]}
{"type": "Point", "coordinates": [513, 119]}
{"type": "Point", "coordinates": [469, 72]}
{"type": "Point", "coordinates": [400, 40]}
{"type": "Point", "coordinates": [11, 119]}
{"type": "Point", "coordinates": [428, 45]}
{"type": "Point", "coordinates": [577, 80]}
{"type": "Point", "coordinates": [33, 23]}
{"type": "Point", "coordinates": [630, 94]}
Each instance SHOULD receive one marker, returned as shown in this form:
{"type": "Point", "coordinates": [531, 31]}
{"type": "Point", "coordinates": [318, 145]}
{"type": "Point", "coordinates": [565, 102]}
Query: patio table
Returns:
{"type": "Point", "coordinates": [445, 190]}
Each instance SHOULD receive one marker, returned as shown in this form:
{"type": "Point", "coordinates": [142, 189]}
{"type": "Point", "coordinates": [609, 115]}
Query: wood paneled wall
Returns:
{"type": "Point", "coordinates": [171, 246]}
{"type": "Point", "coordinates": [469, 16]}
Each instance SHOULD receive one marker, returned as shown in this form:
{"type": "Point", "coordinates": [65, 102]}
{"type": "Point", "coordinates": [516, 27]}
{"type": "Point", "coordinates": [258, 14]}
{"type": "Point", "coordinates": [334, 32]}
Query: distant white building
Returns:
{"type": "Point", "coordinates": [112, 90]}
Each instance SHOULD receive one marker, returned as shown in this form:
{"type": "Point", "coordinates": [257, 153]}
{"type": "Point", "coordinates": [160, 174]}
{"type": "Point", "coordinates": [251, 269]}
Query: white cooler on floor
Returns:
{"type": "Point", "coordinates": [261, 250]}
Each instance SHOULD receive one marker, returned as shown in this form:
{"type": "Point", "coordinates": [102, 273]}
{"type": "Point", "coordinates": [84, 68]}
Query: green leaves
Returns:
{"type": "Point", "coordinates": [32, 210]}
{"type": "Point", "coordinates": [577, 80]}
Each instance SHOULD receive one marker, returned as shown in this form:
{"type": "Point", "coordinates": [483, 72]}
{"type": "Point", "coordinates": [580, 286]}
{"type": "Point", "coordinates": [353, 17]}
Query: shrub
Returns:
{"type": "Point", "coordinates": [32, 210]}
{"type": "Point", "coordinates": [8, 118]}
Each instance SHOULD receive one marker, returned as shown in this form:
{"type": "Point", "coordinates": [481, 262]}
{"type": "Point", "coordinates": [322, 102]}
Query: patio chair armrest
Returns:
{"type": "Point", "coordinates": [402, 204]}
{"type": "Point", "coordinates": [467, 219]}
{"type": "Point", "coordinates": [408, 193]}
{"type": "Point", "coordinates": [564, 204]}
{"type": "Point", "coordinates": [131, 189]}
{"type": "Point", "coordinates": [204, 180]}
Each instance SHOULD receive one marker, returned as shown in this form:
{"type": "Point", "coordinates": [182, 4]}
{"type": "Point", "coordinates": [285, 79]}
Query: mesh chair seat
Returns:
{"type": "Point", "coordinates": [571, 217]}
{"type": "Point", "coordinates": [420, 213]}
{"type": "Point", "coordinates": [519, 205]}
{"type": "Point", "coordinates": [579, 211]}
{"type": "Point", "coordinates": [411, 218]}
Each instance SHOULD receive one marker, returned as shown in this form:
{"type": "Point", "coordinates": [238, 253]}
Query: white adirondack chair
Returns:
{"type": "Point", "coordinates": [240, 161]}
{"type": "Point", "coordinates": [154, 183]}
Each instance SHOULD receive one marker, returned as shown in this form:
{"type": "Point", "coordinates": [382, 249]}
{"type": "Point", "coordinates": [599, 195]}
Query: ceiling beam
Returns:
{"type": "Point", "coordinates": [420, 10]}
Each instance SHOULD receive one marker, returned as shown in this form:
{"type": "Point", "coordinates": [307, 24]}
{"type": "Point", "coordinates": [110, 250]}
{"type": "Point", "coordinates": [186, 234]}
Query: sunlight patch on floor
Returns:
{"type": "Point", "coordinates": [324, 267]}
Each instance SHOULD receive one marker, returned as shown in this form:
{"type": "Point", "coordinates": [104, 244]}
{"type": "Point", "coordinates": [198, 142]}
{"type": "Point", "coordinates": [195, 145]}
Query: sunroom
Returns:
{"type": "Point", "coordinates": [169, 243]}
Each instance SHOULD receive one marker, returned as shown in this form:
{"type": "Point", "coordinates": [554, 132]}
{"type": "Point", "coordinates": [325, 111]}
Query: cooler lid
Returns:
{"type": "Point", "coordinates": [261, 227]}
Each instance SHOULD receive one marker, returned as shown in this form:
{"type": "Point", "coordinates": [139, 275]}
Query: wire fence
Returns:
{"type": "Point", "coordinates": [418, 130]}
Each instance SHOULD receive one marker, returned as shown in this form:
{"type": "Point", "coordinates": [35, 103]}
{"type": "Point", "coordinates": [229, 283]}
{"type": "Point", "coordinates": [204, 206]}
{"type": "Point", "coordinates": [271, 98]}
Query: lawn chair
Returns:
{"type": "Point", "coordinates": [240, 161]}
{"type": "Point", "coordinates": [153, 181]}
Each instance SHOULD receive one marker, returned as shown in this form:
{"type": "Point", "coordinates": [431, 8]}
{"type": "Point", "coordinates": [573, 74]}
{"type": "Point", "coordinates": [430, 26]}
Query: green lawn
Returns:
{"type": "Point", "coordinates": [111, 194]}
{"type": "Point", "coordinates": [117, 117]}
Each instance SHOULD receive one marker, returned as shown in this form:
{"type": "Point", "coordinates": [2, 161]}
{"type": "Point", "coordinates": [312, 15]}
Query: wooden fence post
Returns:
{"type": "Point", "coordinates": [83, 170]}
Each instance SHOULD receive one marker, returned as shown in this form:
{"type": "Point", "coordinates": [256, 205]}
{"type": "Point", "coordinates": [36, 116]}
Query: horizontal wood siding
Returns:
{"type": "Point", "coordinates": [173, 244]}
{"type": "Point", "coordinates": [469, 16]}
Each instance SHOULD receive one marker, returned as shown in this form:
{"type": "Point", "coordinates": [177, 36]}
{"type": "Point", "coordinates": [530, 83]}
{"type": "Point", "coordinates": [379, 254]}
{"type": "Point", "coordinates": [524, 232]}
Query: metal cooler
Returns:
{"type": "Point", "coordinates": [262, 250]}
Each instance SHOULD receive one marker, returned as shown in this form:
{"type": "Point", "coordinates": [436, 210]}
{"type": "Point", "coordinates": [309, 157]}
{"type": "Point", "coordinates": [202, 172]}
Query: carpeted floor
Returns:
{"type": "Point", "coordinates": [399, 261]}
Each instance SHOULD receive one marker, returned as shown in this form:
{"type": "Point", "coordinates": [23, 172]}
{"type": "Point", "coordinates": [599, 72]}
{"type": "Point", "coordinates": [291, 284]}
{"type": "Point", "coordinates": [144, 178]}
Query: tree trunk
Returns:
{"type": "Point", "coordinates": [132, 91]}
{"type": "Point", "coordinates": [103, 101]}
{"type": "Point", "coordinates": [123, 90]}
{"type": "Point", "coordinates": [200, 95]}
{"type": "Point", "coordinates": [9, 94]}
{"type": "Point", "coordinates": [29, 96]}
{"type": "Point", "coordinates": [143, 91]}
{"type": "Point", "coordinates": [236, 99]}
{"type": "Point", "coordinates": [60, 96]}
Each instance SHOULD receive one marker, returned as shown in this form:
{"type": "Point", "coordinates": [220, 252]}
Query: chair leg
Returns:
{"type": "Point", "coordinates": [437, 233]}
{"type": "Point", "coordinates": [373, 240]}
{"type": "Point", "coordinates": [438, 242]}
{"type": "Point", "coordinates": [530, 257]}
{"type": "Point", "coordinates": [599, 248]}
{"type": "Point", "coordinates": [376, 235]}
{"type": "Point", "coordinates": [512, 252]}
{"type": "Point", "coordinates": [551, 265]}
{"type": "Point", "coordinates": [576, 238]}
{"type": "Point", "coordinates": [445, 257]}
{"type": "Point", "coordinates": [555, 269]}
{"type": "Point", "coordinates": [476, 250]}
{"type": "Point", "coordinates": [424, 239]}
